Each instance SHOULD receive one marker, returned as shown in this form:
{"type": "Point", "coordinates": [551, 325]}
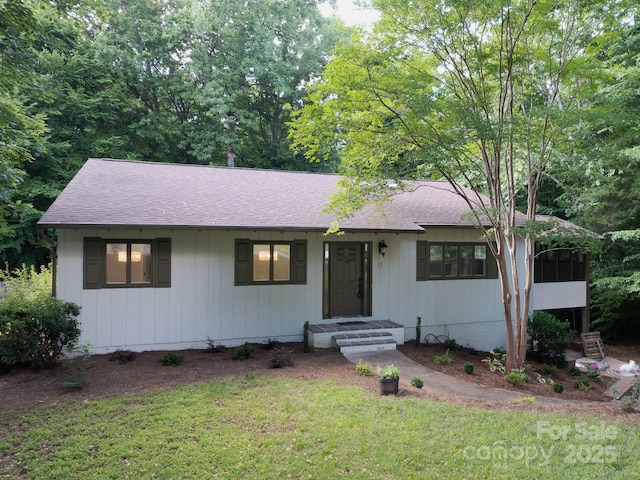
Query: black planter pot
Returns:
{"type": "Point", "coordinates": [388, 386]}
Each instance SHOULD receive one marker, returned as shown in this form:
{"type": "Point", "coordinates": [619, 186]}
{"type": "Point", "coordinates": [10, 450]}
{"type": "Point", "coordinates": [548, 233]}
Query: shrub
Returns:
{"type": "Point", "coordinates": [558, 388]}
{"type": "Point", "coordinates": [417, 382]}
{"type": "Point", "coordinates": [280, 358]}
{"type": "Point", "coordinates": [548, 337]}
{"type": "Point", "coordinates": [468, 368]}
{"type": "Point", "coordinates": [496, 361]}
{"type": "Point", "coordinates": [36, 331]}
{"type": "Point", "coordinates": [451, 344]}
{"type": "Point", "coordinates": [575, 372]}
{"type": "Point", "coordinates": [583, 384]}
{"type": "Point", "coordinates": [363, 369]}
{"type": "Point", "coordinates": [443, 359]}
{"type": "Point", "coordinates": [242, 352]}
{"type": "Point", "coordinates": [171, 359]}
{"type": "Point", "coordinates": [79, 364]}
{"type": "Point", "coordinates": [594, 375]}
{"type": "Point", "coordinates": [516, 376]}
{"type": "Point", "coordinates": [549, 369]}
{"type": "Point", "coordinates": [390, 371]}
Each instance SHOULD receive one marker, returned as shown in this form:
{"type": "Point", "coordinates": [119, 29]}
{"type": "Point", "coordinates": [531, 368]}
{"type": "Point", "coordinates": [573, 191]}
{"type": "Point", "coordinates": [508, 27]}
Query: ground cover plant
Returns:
{"type": "Point", "coordinates": [260, 427]}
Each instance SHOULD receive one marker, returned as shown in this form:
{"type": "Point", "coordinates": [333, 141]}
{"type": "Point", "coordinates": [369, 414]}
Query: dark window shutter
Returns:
{"type": "Point", "coordinates": [300, 262]}
{"type": "Point", "coordinates": [92, 259]}
{"type": "Point", "coordinates": [422, 261]}
{"type": "Point", "coordinates": [163, 263]}
{"type": "Point", "coordinates": [243, 262]}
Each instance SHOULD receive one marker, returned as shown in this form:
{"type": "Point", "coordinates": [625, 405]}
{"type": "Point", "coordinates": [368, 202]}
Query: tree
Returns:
{"type": "Point", "coordinates": [482, 94]}
{"type": "Point", "coordinates": [252, 65]}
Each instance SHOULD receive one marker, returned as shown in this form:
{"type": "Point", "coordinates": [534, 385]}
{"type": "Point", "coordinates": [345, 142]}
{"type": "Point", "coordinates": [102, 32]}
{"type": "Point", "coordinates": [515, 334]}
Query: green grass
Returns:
{"type": "Point", "coordinates": [284, 428]}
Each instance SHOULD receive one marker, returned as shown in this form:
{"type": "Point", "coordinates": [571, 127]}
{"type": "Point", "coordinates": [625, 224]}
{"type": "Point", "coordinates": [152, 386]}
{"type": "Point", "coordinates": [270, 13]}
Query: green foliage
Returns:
{"type": "Point", "coordinates": [629, 403]}
{"type": "Point", "coordinates": [451, 344]}
{"type": "Point", "coordinates": [496, 361]}
{"type": "Point", "coordinates": [171, 359]}
{"type": "Point", "coordinates": [34, 327]}
{"type": "Point", "coordinates": [389, 371]}
{"type": "Point", "coordinates": [558, 388]}
{"type": "Point", "coordinates": [548, 337]}
{"type": "Point", "coordinates": [594, 375]}
{"type": "Point", "coordinates": [79, 364]}
{"type": "Point", "coordinates": [37, 332]}
{"type": "Point", "coordinates": [417, 382]}
{"type": "Point", "coordinates": [363, 369]}
{"type": "Point", "coordinates": [432, 95]}
{"type": "Point", "coordinates": [443, 359]}
{"type": "Point", "coordinates": [25, 285]}
{"type": "Point", "coordinates": [583, 384]}
{"type": "Point", "coordinates": [516, 376]}
{"type": "Point", "coordinates": [549, 369]}
{"type": "Point", "coordinates": [242, 352]}
{"type": "Point", "coordinates": [355, 427]}
{"type": "Point", "coordinates": [615, 291]}
{"type": "Point", "coordinates": [575, 371]}
{"type": "Point", "coordinates": [468, 368]}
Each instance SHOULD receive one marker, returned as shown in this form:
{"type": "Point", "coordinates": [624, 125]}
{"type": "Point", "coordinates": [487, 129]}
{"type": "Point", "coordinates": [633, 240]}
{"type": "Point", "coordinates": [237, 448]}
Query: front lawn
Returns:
{"type": "Point", "coordinates": [267, 428]}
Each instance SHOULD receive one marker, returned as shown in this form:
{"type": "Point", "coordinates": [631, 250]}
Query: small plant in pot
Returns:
{"type": "Point", "coordinates": [388, 378]}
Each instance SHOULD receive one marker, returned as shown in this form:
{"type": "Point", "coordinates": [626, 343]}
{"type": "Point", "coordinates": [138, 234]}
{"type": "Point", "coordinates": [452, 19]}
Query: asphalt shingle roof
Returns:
{"type": "Point", "coordinates": [119, 193]}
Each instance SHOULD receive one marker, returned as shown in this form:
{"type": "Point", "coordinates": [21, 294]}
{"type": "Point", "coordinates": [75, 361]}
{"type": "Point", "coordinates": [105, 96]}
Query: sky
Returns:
{"type": "Point", "coordinates": [350, 13]}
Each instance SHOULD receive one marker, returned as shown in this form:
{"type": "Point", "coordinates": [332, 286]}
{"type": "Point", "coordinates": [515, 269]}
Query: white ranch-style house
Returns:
{"type": "Point", "coordinates": [166, 256]}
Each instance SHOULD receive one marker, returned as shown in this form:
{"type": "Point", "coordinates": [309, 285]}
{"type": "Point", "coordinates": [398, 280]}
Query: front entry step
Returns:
{"type": "Point", "coordinates": [325, 335]}
{"type": "Point", "coordinates": [365, 342]}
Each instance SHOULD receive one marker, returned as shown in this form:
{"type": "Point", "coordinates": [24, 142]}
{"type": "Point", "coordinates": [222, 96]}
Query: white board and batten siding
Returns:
{"type": "Point", "coordinates": [203, 302]}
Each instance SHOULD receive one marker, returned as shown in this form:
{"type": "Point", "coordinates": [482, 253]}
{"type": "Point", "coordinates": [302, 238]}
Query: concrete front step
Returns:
{"type": "Point", "coordinates": [362, 345]}
{"type": "Point", "coordinates": [325, 335]}
{"type": "Point", "coordinates": [364, 342]}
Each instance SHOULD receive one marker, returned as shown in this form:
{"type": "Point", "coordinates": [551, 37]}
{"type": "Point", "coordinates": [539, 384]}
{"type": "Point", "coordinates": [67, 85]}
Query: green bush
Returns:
{"type": "Point", "coordinates": [171, 359]}
{"type": "Point", "coordinates": [558, 388]}
{"type": "Point", "coordinates": [36, 331]}
{"type": "Point", "coordinates": [548, 337]}
{"type": "Point", "coordinates": [451, 344]}
{"type": "Point", "coordinates": [243, 351]}
{"type": "Point", "coordinates": [468, 368]}
{"type": "Point", "coordinates": [516, 376]}
{"type": "Point", "coordinates": [594, 375]}
{"type": "Point", "coordinates": [549, 369]}
{"type": "Point", "coordinates": [364, 369]}
{"type": "Point", "coordinates": [583, 384]}
{"type": "Point", "coordinates": [443, 359]}
{"type": "Point", "coordinates": [417, 382]}
{"type": "Point", "coordinates": [575, 372]}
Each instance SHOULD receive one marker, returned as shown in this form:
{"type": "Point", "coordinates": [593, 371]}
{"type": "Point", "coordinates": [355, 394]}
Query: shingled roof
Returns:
{"type": "Point", "coordinates": [119, 193]}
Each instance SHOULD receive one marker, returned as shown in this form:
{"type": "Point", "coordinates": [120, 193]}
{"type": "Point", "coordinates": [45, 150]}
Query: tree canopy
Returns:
{"type": "Point", "coordinates": [486, 95]}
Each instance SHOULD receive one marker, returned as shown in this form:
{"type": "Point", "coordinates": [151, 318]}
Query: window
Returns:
{"type": "Point", "coordinates": [126, 263]}
{"type": "Point", "coordinates": [265, 262]}
{"type": "Point", "coordinates": [558, 265]}
{"type": "Point", "coordinates": [454, 261]}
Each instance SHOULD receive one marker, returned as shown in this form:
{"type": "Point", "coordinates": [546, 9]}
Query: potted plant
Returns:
{"type": "Point", "coordinates": [388, 378]}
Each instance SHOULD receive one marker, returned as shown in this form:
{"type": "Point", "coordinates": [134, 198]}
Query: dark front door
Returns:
{"type": "Point", "coordinates": [349, 292]}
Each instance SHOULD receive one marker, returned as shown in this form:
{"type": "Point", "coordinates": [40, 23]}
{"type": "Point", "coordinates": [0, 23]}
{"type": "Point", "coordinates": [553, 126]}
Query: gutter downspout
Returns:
{"type": "Point", "coordinates": [42, 235]}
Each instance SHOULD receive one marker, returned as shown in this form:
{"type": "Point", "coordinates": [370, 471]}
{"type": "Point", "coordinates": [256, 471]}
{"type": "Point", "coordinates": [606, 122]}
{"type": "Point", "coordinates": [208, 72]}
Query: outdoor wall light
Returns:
{"type": "Point", "coordinates": [382, 248]}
